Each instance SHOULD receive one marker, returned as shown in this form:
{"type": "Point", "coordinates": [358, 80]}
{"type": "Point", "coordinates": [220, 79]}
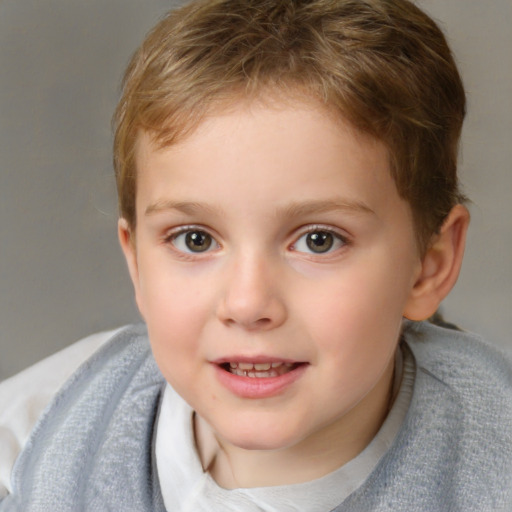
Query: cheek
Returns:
{"type": "Point", "coordinates": [170, 291]}
{"type": "Point", "coordinates": [175, 308]}
{"type": "Point", "coordinates": [174, 329]}
{"type": "Point", "coordinates": [174, 318]}
{"type": "Point", "coordinates": [359, 313]}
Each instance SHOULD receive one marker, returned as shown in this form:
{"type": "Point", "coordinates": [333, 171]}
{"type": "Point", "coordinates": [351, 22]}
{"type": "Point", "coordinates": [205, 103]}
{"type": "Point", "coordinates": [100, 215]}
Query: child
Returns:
{"type": "Point", "coordinates": [290, 214]}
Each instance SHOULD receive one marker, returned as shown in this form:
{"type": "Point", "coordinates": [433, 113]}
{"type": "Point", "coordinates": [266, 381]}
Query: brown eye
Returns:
{"type": "Point", "coordinates": [193, 241]}
{"type": "Point", "coordinates": [198, 241]}
{"type": "Point", "coordinates": [320, 241]}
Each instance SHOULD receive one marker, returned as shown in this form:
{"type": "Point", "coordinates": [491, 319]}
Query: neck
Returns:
{"type": "Point", "coordinates": [313, 457]}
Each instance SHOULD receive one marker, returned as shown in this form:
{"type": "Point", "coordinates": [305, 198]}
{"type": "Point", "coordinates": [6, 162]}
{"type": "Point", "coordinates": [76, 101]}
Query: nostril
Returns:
{"type": "Point", "coordinates": [261, 322]}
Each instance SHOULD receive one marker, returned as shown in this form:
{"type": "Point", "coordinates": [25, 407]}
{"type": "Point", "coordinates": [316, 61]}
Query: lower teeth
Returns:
{"type": "Point", "coordinates": [260, 375]}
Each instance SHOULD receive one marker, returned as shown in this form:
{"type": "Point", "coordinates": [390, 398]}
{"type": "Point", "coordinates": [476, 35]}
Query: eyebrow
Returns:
{"type": "Point", "coordinates": [186, 207]}
{"type": "Point", "coordinates": [303, 208]}
{"type": "Point", "coordinates": [295, 209]}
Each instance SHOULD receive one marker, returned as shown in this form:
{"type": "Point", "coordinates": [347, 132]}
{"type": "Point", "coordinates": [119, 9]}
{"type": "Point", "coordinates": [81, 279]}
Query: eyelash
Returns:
{"type": "Point", "coordinates": [339, 241]}
{"type": "Point", "coordinates": [170, 239]}
{"type": "Point", "coordinates": [343, 240]}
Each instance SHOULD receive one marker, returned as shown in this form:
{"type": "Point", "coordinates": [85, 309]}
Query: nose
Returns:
{"type": "Point", "coordinates": [251, 298]}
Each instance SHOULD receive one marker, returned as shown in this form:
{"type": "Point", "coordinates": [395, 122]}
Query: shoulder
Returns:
{"type": "Point", "coordinates": [461, 414]}
{"type": "Point", "coordinates": [473, 374]}
{"type": "Point", "coordinates": [25, 396]}
{"type": "Point", "coordinates": [460, 359]}
{"type": "Point", "coordinates": [454, 449]}
{"type": "Point", "coordinates": [101, 419]}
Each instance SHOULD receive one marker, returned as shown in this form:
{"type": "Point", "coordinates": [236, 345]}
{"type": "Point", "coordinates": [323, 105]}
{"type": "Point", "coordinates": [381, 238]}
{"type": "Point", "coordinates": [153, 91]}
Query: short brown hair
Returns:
{"type": "Point", "coordinates": [383, 65]}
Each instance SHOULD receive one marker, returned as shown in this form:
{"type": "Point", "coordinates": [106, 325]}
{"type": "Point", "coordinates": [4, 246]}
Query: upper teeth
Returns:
{"type": "Point", "coordinates": [257, 366]}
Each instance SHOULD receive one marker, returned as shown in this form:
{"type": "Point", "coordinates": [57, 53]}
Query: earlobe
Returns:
{"type": "Point", "coordinates": [440, 266]}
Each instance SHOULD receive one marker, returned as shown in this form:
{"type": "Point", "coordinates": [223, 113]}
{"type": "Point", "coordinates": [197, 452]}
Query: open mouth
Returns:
{"type": "Point", "coordinates": [259, 370]}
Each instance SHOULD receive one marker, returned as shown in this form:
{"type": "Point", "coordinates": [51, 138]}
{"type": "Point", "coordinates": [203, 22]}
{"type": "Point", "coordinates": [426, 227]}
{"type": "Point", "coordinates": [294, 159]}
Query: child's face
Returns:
{"type": "Point", "coordinates": [274, 237]}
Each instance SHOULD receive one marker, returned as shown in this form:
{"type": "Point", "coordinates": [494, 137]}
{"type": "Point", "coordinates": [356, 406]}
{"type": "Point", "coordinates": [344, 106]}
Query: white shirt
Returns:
{"type": "Point", "coordinates": [184, 484]}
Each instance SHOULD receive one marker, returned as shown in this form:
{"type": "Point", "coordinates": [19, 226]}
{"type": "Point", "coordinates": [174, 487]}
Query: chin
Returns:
{"type": "Point", "coordinates": [258, 444]}
{"type": "Point", "coordinates": [259, 437]}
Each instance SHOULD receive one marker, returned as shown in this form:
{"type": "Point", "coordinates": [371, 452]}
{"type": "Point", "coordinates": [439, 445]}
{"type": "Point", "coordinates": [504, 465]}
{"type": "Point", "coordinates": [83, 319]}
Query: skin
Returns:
{"type": "Point", "coordinates": [257, 181]}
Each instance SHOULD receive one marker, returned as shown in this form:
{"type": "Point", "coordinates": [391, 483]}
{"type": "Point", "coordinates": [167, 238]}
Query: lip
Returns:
{"type": "Point", "coordinates": [258, 387]}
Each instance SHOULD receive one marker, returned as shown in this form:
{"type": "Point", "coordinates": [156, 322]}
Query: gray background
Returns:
{"type": "Point", "coordinates": [61, 273]}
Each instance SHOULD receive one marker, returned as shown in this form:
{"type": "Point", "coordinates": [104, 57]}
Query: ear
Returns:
{"type": "Point", "coordinates": [440, 266]}
{"type": "Point", "coordinates": [127, 242]}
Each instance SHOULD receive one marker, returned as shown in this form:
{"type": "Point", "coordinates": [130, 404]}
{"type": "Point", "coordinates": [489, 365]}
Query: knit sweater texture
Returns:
{"type": "Point", "coordinates": [93, 447]}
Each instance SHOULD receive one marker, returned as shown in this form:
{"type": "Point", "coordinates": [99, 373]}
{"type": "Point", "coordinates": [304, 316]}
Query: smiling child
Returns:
{"type": "Point", "coordinates": [290, 215]}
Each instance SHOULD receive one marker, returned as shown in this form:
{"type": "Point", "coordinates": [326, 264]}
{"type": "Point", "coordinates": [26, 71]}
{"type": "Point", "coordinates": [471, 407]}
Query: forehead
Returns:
{"type": "Point", "coordinates": [291, 114]}
{"type": "Point", "coordinates": [276, 152]}
{"type": "Point", "coordinates": [237, 106]}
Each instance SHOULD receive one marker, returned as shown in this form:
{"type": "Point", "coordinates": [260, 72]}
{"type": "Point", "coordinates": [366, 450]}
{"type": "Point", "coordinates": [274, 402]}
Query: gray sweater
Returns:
{"type": "Point", "coordinates": [93, 448]}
